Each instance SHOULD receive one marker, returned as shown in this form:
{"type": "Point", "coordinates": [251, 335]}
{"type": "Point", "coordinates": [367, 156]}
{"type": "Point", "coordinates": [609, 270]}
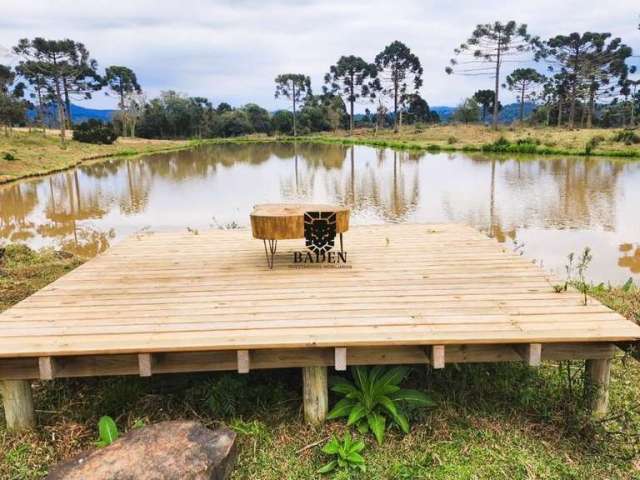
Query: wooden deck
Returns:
{"type": "Point", "coordinates": [178, 302]}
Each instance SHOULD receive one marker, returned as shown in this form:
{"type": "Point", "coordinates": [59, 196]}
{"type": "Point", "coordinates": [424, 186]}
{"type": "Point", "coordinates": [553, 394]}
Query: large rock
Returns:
{"type": "Point", "coordinates": [164, 451]}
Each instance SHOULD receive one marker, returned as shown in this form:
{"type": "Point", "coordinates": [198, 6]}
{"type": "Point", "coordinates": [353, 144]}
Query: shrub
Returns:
{"type": "Point", "coordinates": [593, 143]}
{"type": "Point", "coordinates": [502, 145]}
{"type": "Point", "coordinates": [95, 131]}
{"type": "Point", "coordinates": [9, 157]}
{"type": "Point", "coordinates": [258, 118]}
{"type": "Point", "coordinates": [452, 140]}
{"type": "Point", "coordinates": [234, 124]}
{"type": "Point", "coordinates": [627, 136]}
{"type": "Point", "coordinates": [373, 397]}
{"type": "Point", "coordinates": [528, 141]}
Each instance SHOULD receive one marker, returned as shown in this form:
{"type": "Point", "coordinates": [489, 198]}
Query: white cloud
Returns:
{"type": "Point", "coordinates": [232, 50]}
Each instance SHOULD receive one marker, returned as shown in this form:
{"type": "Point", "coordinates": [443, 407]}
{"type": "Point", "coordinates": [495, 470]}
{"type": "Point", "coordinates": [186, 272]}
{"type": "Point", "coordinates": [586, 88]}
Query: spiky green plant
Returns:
{"type": "Point", "coordinates": [375, 396]}
{"type": "Point", "coordinates": [346, 453]}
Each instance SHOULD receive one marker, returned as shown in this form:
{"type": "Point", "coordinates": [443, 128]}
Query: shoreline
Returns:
{"type": "Point", "coordinates": [130, 148]}
{"type": "Point", "coordinates": [37, 155]}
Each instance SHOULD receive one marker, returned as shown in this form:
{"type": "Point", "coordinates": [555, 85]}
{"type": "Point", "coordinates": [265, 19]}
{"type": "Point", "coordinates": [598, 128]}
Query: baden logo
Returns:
{"type": "Point", "coordinates": [319, 231]}
{"type": "Point", "coordinates": [320, 236]}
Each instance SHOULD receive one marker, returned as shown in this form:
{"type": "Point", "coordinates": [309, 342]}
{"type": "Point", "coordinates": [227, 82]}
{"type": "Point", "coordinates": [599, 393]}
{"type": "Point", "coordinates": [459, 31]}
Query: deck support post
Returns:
{"type": "Point", "coordinates": [597, 376]}
{"type": "Point", "coordinates": [47, 368]}
{"type": "Point", "coordinates": [340, 359]}
{"type": "Point", "coordinates": [145, 364]}
{"type": "Point", "coordinates": [531, 353]}
{"type": "Point", "coordinates": [18, 404]}
{"type": "Point", "coordinates": [244, 361]}
{"type": "Point", "coordinates": [315, 394]}
{"type": "Point", "coordinates": [437, 356]}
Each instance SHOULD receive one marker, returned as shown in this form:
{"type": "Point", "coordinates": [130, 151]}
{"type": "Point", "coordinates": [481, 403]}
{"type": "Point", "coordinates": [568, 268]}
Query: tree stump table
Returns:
{"type": "Point", "coordinates": [271, 222]}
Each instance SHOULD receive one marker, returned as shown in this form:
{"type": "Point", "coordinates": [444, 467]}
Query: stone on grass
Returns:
{"type": "Point", "coordinates": [165, 451]}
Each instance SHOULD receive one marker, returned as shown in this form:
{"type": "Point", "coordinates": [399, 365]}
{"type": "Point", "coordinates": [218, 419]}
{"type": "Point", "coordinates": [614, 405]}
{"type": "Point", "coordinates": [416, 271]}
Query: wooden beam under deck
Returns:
{"type": "Point", "coordinates": [184, 362]}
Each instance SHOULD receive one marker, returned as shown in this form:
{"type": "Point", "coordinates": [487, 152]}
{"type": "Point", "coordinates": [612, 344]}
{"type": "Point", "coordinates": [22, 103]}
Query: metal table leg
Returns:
{"type": "Point", "coordinates": [271, 251]}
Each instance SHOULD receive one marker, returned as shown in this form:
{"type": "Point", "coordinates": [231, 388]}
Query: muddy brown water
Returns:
{"type": "Point", "coordinates": [544, 207]}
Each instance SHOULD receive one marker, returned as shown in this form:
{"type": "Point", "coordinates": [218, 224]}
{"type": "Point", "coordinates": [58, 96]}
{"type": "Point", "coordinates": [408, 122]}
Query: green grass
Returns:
{"type": "Point", "coordinates": [494, 421]}
{"type": "Point", "coordinates": [24, 271]}
{"type": "Point", "coordinates": [387, 139]}
{"type": "Point", "coordinates": [497, 421]}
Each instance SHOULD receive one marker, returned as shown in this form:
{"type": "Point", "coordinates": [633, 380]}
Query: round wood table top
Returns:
{"type": "Point", "coordinates": [283, 221]}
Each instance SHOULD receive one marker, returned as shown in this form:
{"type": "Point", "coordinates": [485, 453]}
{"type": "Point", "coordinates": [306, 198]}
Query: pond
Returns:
{"type": "Point", "coordinates": [544, 208]}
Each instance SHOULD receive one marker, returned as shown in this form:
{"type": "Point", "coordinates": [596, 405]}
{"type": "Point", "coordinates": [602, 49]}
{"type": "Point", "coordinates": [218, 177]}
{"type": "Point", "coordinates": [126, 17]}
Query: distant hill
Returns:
{"type": "Point", "coordinates": [445, 113]}
{"type": "Point", "coordinates": [508, 114]}
{"type": "Point", "coordinates": [78, 114]}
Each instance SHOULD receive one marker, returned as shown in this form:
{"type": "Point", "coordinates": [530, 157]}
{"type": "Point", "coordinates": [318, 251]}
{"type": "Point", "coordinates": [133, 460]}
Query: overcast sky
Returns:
{"type": "Point", "coordinates": [232, 50]}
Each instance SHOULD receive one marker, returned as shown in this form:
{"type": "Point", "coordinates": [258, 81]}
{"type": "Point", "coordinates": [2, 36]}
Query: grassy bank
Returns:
{"type": "Point", "coordinates": [24, 154]}
{"type": "Point", "coordinates": [492, 421]}
{"type": "Point", "coordinates": [477, 138]}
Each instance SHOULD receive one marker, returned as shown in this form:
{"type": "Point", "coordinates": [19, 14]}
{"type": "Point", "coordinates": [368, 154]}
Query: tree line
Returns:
{"type": "Point", "coordinates": [584, 74]}
{"type": "Point", "coordinates": [50, 74]}
{"type": "Point", "coordinates": [586, 79]}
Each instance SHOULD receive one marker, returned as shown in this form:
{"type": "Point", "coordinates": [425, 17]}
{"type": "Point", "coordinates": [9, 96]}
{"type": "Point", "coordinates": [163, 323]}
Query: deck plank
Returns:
{"type": "Point", "coordinates": [405, 285]}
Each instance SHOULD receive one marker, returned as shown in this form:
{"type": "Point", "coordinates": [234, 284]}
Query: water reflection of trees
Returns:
{"type": "Point", "coordinates": [559, 192]}
{"type": "Point", "coordinates": [554, 192]}
{"type": "Point", "coordinates": [387, 186]}
{"type": "Point", "coordinates": [136, 198]}
{"type": "Point", "coordinates": [326, 156]}
{"type": "Point", "coordinates": [585, 190]}
{"type": "Point", "coordinates": [300, 184]}
{"type": "Point", "coordinates": [17, 201]}
{"type": "Point", "coordinates": [63, 207]}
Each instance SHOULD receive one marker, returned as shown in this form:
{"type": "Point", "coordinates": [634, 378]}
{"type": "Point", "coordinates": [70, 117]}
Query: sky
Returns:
{"type": "Point", "coordinates": [231, 50]}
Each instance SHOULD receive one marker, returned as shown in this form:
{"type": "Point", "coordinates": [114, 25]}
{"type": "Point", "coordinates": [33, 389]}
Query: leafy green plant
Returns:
{"type": "Point", "coordinates": [579, 266]}
{"type": "Point", "coordinates": [569, 274]}
{"type": "Point", "coordinates": [107, 431]}
{"type": "Point", "coordinates": [373, 397]}
{"type": "Point", "coordinates": [628, 285]}
{"type": "Point", "coordinates": [346, 452]}
{"type": "Point", "coordinates": [582, 267]}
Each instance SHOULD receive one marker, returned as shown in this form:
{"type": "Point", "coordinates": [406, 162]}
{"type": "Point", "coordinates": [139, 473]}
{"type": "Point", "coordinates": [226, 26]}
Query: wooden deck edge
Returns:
{"type": "Point", "coordinates": [232, 360]}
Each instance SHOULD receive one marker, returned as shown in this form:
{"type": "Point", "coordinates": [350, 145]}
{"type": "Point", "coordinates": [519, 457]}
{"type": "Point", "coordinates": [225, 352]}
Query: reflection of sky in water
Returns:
{"type": "Point", "coordinates": [550, 207]}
